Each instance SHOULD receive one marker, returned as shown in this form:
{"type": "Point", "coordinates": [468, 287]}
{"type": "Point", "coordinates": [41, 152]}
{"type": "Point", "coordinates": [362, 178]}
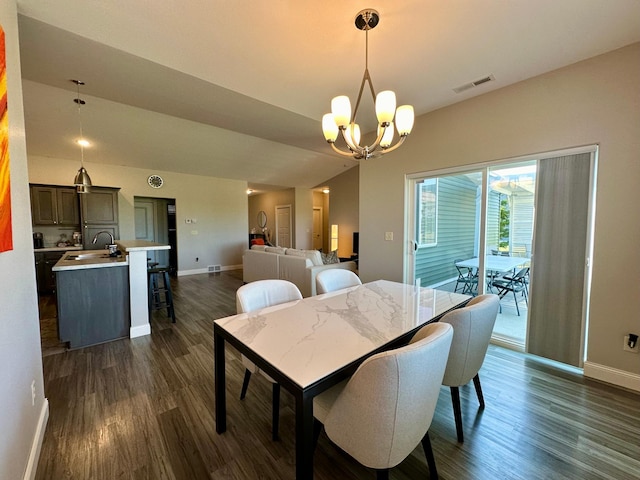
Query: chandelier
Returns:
{"type": "Point", "coordinates": [340, 120]}
{"type": "Point", "coordinates": [82, 180]}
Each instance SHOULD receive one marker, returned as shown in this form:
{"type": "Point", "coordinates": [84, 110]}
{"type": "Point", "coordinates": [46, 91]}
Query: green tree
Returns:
{"type": "Point", "coordinates": [504, 223]}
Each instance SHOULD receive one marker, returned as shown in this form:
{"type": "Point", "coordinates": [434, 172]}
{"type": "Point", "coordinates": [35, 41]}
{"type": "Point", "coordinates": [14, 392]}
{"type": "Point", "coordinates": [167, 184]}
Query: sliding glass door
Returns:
{"type": "Point", "coordinates": [475, 231]}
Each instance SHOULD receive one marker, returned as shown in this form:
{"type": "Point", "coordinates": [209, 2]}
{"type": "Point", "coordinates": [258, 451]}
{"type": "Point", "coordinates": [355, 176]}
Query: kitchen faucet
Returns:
{"type": "Point", "coordinates": [112, 246]}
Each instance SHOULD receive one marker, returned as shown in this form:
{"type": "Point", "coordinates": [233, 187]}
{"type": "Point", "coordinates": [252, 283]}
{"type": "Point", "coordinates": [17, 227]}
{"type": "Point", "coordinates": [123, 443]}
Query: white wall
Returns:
{"type": "Point", "coordinates": [20, 354]}
{"type": "Point", "coordinates": [596, 101]}
{"type": "Point", "coordinates": [219, 207]}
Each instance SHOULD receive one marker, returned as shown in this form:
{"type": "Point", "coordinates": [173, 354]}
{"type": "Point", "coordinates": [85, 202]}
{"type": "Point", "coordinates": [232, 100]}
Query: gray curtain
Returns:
{"type": "Point", "coordinates": [558, 273]}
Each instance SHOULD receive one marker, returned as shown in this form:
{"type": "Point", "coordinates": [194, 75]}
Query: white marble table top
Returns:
{"type": "Point", "coordinates": [495, 263]}
{"type": "Point", "coordinates": [141, 245]}
{"type": "Point", "coordinates": [309, 339]}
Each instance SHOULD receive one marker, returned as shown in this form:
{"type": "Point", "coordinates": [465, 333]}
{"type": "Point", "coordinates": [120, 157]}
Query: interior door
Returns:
{"type": "Point", "coordinates": [283, 226]}
{"type": "Point", "coordinates": [144, 216]}
{"type": "Point", "coordinates": [317, 228]}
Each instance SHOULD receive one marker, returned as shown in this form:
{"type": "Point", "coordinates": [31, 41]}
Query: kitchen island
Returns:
{"type": "Point", "coordinates": [99, 296]}
{"type": "Point", "coordinates": [92, 295]}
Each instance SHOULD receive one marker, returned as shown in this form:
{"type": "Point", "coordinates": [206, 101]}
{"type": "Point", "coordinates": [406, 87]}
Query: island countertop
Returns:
{"type": "Point", "coordinates": [83, 259]}
{"type": "Point", "coordinates": [140, 245]}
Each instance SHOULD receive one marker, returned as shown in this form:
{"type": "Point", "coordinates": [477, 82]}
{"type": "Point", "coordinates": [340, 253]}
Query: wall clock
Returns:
{"type": "Point", "coordinates": [155, 181]}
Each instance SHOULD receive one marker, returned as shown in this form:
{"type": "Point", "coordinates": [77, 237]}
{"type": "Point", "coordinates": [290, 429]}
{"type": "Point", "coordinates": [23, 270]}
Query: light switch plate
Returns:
{"type": "Point", "coordinates": [388, 236]}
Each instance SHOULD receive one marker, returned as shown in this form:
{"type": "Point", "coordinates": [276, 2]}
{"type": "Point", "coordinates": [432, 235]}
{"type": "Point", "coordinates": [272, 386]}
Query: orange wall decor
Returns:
{"type": "Point", "coordinates": [6, 237]}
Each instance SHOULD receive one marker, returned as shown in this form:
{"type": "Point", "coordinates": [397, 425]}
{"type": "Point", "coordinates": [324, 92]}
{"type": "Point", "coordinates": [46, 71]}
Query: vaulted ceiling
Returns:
{"type": "Point", "coordinates": [237, 89]}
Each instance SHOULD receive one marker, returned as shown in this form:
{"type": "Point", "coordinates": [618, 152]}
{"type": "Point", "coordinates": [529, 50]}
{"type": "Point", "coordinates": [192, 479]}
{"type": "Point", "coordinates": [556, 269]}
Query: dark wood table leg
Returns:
{"type": "Point", "coordinates": [304, 437]}
{"type": "Point", "coordinates": [219, 380]}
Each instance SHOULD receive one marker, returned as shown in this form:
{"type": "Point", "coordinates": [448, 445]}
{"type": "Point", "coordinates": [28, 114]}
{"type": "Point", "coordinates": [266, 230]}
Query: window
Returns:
{"type": "Point", "coordinates": [427, 194]}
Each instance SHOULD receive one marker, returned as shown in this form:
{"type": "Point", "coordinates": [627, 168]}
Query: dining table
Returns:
{"type": "Point", "coordinates": [309, 345]}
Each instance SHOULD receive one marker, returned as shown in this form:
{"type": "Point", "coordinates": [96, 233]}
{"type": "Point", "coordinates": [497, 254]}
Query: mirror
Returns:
{"type": "Point", "coordinates": [262, 219]}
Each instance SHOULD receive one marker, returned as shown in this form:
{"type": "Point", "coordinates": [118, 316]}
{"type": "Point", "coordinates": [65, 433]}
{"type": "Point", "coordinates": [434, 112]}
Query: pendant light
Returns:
{"type": "Point", "coordinates": [341, 121]}
{"type": "Point", "coordinates": [82, 180]}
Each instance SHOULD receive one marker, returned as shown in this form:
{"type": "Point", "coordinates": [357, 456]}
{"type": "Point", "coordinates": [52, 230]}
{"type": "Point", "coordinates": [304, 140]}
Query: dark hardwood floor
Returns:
{"type": "Point", "coordinates": [143, 409]}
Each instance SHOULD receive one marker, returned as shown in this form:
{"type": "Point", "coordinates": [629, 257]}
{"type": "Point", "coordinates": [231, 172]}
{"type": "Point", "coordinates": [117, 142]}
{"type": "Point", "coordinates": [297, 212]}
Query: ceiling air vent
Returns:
{"type": "Point", "coordinates": [475, 83]}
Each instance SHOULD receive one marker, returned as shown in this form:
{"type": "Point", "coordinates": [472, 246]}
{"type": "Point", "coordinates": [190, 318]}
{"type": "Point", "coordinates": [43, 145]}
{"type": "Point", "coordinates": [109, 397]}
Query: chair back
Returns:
{"type": "Point", "coordinates": [265, 293]}
{"type": "Point", "coordinates": [472, 328]}
{"type": "Point", "coordinates": [387, 406]}
{"type": "Point", "coordinates": [335, 279]}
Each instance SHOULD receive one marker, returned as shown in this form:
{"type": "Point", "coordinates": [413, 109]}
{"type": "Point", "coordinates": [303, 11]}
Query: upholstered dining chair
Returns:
{"type": "Point", "coordinates": [337, 279]}
{"type": "Point", "coordinates": [254, 296]}
{"type": "Point", "coordinates": [472, 327]}
{"type": "Point", "coordinates": [384, 410]}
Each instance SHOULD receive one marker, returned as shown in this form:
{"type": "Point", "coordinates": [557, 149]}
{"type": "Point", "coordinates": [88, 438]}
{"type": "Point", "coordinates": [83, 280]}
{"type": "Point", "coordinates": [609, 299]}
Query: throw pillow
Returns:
{"type": "Point", "coordinates": [331, 257]}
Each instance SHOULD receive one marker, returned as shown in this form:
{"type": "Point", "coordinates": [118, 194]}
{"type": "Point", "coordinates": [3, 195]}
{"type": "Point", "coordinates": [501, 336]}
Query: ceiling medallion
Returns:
{"type": "Point", "coordinates": [155, 181]}
{"type": "Point", "coordinates": [340, 120]}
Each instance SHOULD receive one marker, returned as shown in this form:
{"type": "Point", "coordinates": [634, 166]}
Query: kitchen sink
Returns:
{"type": "Point", "coordinates": [86, 256]}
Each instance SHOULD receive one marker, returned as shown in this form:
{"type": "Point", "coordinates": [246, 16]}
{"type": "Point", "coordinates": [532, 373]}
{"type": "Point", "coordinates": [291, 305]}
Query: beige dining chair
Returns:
{"type": "Point", "coordinates": [254, 296]}
{"type": "Point", "coordinates": [335, 279]}
{"type": "Point", "coordinates": [472, 328]}
{"type": "Point", "coordinates": [384, 410]}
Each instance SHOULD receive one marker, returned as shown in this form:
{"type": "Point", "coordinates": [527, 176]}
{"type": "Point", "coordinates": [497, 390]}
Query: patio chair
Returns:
{"type": "Point", "coordinates": [467, 277]}
{"type": "Point", "coordinates": [514, 284]}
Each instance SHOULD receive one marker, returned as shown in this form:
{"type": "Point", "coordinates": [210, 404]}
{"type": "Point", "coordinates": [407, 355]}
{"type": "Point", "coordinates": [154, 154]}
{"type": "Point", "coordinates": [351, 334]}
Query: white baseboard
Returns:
{"type": "Point", "coordinates": [139, 331]}
{"type": "Point", "coordinates": [613, 376]}
{"type": "Point", "coordinates": [198, 271]}
{"type": "Point", "coordinates": [36, 445]}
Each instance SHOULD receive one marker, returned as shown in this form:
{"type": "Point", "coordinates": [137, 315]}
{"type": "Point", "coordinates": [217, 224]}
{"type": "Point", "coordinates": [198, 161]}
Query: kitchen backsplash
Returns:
{"type": "Point", "coordinates": [52, 234]}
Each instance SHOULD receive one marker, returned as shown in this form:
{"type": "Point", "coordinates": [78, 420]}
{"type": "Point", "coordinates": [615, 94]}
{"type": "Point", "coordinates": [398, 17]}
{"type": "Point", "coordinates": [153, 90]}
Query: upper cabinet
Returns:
{"type": "Point", "coordinates": [99, 213]}
{"type": "Point", "coordinates": [54, 206]}
{"type": "Point", "coordinates": [100, 207]}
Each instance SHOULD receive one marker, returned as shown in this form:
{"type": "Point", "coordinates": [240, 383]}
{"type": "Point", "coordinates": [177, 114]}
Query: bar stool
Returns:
{"type": "Point", "coordinates": [160, 288]}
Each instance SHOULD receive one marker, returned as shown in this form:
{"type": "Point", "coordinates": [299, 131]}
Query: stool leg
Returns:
{"type": "Point", "coordinates": [169, 298]}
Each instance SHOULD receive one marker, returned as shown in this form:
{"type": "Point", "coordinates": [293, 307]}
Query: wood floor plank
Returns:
{"type": "Point", "coordinates": [144, 409]}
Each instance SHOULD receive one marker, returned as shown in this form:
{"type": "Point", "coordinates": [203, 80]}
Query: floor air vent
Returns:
{"type": "Point", "coordinates": [214, 268]}
{"type": "Point", "coordinates": [475, 83]}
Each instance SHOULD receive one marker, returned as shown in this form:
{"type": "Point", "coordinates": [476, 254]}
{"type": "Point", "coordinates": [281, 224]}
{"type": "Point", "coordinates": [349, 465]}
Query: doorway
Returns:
{"type": "Point", "coordinates": [470, 230]}
{"type": "Point", "coordinates": [155, 221]}
{"type": "Point", "coordinates": [317, 231]}
{"type": "Point", "coordinates": [283, 226]}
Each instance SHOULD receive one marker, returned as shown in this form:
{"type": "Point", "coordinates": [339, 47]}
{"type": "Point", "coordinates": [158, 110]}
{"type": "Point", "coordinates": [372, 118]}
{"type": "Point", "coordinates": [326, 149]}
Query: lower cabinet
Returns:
{"type": "Point", "coordinates": [93, 305]}
{"type": "Point", "coordinates": [45, 278]}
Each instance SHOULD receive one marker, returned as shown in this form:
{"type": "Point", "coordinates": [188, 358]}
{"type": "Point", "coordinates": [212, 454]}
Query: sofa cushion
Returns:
{"type": "Point", "coordinates": [331, 257]}
{"type": "Point", "coordinates": [258, 247]}
{"type": "Point", "coordinates": [313, 255]}
{"type": "Point", "coordinates": [278, 250]}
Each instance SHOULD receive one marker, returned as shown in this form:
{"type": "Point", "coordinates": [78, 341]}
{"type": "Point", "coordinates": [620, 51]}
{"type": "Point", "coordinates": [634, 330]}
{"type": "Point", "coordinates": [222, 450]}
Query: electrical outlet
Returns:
{"type": "Point", "coordinates": [626, 347]}
{"type": "Point", "coordinates": [33, 393]}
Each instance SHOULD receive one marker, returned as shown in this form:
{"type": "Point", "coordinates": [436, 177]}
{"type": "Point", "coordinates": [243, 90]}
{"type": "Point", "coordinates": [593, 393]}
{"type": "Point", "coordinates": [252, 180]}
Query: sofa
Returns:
{"type": "Point", "coordinates": [297, 266]}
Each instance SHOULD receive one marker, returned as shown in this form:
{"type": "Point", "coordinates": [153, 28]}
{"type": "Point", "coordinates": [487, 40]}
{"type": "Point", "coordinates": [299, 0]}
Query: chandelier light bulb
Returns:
{"type": "Point", "coordinates": [387, 138]}
{"type": "Point", "coordinates": [83, 142]}
{"type": "Point", "coordinates": [404, 120]}
{"type": "Point", "coordinates": [329, 128]}
{"type": "Point", "coordinates": [385, 106]}
{"type": "Point", "coordinates": [341, 109]}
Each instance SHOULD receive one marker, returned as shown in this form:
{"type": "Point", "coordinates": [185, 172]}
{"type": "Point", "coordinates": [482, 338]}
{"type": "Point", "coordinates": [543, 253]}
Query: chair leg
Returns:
{"type": "Point", "coordinates": [245, 383]}
{"type": "Point", "coordinates": [276, 411]}
{"type": "Point", "coordinates": [457, 412]}
{"type": "Point", "coordinates": [515, 299]}
{"type": "Point", "coordinates": [169, 298]}
{"type": "Point", "coordinates": [382, 474]}
{"type": "Point", "coordinates": [476, 383]}
{"type": "Point", "coordinates": [431, 461]}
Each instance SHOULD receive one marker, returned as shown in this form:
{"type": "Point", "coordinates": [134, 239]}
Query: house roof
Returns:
{"type": "Point", "coordinates": [237, 90]}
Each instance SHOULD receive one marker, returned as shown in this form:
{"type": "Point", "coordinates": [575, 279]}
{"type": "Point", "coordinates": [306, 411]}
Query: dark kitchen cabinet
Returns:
{"type": "Point", "coordinates": [99, 212]}
{"type": "Point", "coordinates": [52, 205]}
{"type": "Point", "coordinates": [45, 278]}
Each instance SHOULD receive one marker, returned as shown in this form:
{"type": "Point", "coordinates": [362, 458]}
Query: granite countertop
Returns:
{"type": "Point", "coordinates": [57, 249]}
{"type": "Point", "coordinates": [89, 259]}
